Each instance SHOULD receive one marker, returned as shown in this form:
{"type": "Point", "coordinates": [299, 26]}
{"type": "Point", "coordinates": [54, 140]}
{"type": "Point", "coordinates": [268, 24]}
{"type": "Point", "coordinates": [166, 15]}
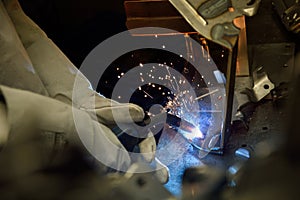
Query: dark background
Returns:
{"type": "Point", "coordinates": [77, 26]}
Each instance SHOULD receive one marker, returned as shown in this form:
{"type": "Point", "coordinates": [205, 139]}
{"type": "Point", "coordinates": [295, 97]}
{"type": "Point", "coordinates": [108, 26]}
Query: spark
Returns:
{"type": "Point", "coordinates": [207, 94]}
{"type": "Point", "coordinates": [147, 94]}
{"type": "Point", "coordinates": [210, 111]}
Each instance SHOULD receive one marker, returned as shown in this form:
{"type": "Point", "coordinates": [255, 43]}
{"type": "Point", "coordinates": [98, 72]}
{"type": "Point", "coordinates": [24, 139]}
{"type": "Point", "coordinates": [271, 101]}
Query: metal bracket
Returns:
{"type": "Point", "coordinates": [213, 19]}
{"type": "Point", "coordinates": [262, 85]}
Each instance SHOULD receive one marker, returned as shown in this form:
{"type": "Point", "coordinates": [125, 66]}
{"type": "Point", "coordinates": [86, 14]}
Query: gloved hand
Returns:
{"type": "Point", "coordinates": [148, 147]}
{"type": "Point", "coordinates": [16, 69]}
{"type": "Point", "coordinates": [3, 124]}
{"type": "Point", "coordinates": [49, 115]}
{"type": "Point", "coordinates": [58, 75]}
{"type": "Point", "coordinates": [109, 111]}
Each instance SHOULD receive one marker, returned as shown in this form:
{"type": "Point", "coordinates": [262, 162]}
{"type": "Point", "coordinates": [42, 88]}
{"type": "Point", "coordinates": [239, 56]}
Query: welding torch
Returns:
{"type": "Point", "coordinates": [131, 135]}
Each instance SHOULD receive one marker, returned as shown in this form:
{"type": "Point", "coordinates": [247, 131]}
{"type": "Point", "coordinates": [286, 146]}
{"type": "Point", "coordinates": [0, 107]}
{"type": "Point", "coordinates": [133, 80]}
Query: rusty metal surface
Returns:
{"type": "Point", "coordinates": [158, 13]}
{"type": "Point", "coordinates": [242, 65]}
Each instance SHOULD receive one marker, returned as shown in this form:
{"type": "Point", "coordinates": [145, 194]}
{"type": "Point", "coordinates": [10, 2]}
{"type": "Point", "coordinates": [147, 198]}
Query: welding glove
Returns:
{"type": "Point", "coordinates": [49, 115]}
{"type": "Point", "coordinates": [3, 124]}
{"type": "Point", "coordinates": [59, 119]}
{"type": "Point", "coordinates": [161, 171]}
{"type": "Point", "coordinates": [148, 147]}
{"type": "Point", "coordinates": [16, 69]}
{"type": "Point", "coordinates": [58, 73]}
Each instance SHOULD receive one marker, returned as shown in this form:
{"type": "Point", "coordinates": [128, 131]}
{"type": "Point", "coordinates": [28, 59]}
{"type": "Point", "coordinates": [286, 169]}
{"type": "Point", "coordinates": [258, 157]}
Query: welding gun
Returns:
{"type": "Point", "coordinates": [131, 135]}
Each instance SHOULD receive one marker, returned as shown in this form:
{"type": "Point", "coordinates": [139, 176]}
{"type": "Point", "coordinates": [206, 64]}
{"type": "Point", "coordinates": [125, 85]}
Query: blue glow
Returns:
{"type": "Point", "coordinates": [196, 133]}
{"type": "Point", "coordinates": [233, 170]}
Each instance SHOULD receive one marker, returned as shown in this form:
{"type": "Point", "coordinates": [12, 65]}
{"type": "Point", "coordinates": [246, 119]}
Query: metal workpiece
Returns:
{"type": "Point", "coordinates": [262, 84]}
{"type": "Point", "coordinates": [277, 59]}
{"type": "Point", "coordinates": [240, 84]}
{"type": "Point", "coordinates": [273, 67]}
{"type": "Point", "coordinates": [214, 18]}
{"type": "Point", "coordinates": [242, 65]}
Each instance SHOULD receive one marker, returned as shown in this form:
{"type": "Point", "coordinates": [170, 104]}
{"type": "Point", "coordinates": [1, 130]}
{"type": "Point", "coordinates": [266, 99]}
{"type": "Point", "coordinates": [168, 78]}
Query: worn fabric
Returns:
{"type": "Point", "coordinates": [16, 69]}
{"type": "Point", "coordinates": [59, 74]}
{"type": "Point", "coordinates": [3, 124]}
{"type": "Point", "coordinates": [43, 69]}
{"type": "Point", "coordinates": [50, 115]}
